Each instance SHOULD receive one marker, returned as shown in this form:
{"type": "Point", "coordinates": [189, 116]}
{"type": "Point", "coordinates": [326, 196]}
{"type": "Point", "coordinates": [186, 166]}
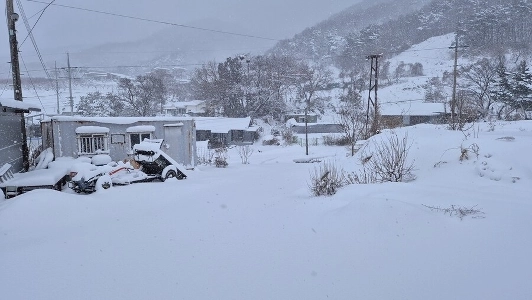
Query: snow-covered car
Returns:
{"type": "Point", "coordinates": [149, 163]}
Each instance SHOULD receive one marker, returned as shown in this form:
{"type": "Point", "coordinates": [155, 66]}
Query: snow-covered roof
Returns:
{"type": "Point", "coordinates": [141, 128]}
{"type": "Point", "coordinates": [19, 105]}
{"type": "Point", "coordinates": [412, 109]}
{"type": "Point", "coordinates": [116, 120]}
{"type": "Point", "coordinates": [222, 125]}
{"type": "Point", "coordinates": [174, 125]}
{"type": "Point", "coordinates": [183, 104]}
{"type": "Point", "coordinates": [92, 129]}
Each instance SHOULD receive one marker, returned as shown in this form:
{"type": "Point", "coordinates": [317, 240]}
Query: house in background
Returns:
{"type": "Point", "coordinates": [11, 141]}
{"type": "Point", "coordinates": [87, 136]}
{"type": "Point", "coordinates": [296, 123]}
{"type": "Point", "coordinates": [191, 108]}
{"type": "Point", "coordinates": [412, 113]}
{"type": "Point", "coordinates": [226, 131]}
{"type": "Point", "coordinates": [300, 118]}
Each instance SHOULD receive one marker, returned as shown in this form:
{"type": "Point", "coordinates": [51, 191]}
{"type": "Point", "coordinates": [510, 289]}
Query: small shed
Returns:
{"type": "Point", "coordinates": [12, 124]}
{"type": "Point", "coordinates": [300, 118]}
{"type": "Point", "coordinates": [226, 131]}
{"type": "Point", "coordinates": [411, 113]}
{"type": "Point", "coordinates": [87, 136]}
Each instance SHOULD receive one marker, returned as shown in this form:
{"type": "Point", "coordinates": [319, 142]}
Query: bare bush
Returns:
{"type": "Point", "coordinates": [365, 176]}
{"type": "Point", "coordinates": [245, 153]}
{"type": "Point", "coordinates": [288, 136]}
{"type": "Point", "coordinates": [331, 140]}
{"type": "Point", "coordinates": [387, 160]}
{"type": "Point", "coordinates": [464, 152]}
{"type": "Point", "coordinates": [326, 180]}
{"type": "Point", "coordinates": [205, 156]}
{"type": "Point", "coordinates": [458, 211]}
{"type": "Point", "coordinates": [221, 156]}
{"type": "Point", "coordinates": [273, 141]}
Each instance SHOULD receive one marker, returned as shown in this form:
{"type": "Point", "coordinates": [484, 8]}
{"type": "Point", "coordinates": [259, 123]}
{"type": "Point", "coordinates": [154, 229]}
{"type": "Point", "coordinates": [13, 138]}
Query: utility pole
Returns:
{"type": "Point", "coordinates": [57, 88]}
{"type": "Point", "coordinates": [307, 105]}
{"type": "Point", "coordinates": [12, 17]}
{"type": "Point", "coordinates": [455, 75]}
{"type": "Point", "coordinates": [372, 103]}
{"type": "Point", "coordinates": [70, 85]}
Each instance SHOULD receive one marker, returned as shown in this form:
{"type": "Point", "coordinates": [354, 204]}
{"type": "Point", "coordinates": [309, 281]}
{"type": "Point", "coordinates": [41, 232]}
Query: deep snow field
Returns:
{"type": "Point", "coordinates": [255, 231]}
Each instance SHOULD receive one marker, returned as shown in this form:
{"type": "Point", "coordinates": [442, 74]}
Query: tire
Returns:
{"type": "Point", "coordinates": [169, 174]}
{"type": "Point", "coordinates": [104, 183]}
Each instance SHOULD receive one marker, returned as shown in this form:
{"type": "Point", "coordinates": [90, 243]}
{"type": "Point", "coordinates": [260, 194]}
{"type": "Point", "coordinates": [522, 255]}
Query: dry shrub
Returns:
{"type": "Point", "coordinates": [245, 152]}
{"type": "Point", "coordinates": [205, 156]}
{"type": "Point", "coordinates": [458, 211]}
{"type": "Point", "coordinates": [327, 179]}
{"type": "Point", "coordinates": [386, 160]}
{"type": "Point", "coordinates": [464, 152]}
{"type": "Point", "coordinates": [221, 156]}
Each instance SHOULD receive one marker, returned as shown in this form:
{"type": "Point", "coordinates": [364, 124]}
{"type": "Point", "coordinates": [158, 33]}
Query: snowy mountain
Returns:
{"type": "Point", "coordinates": [183, 46]}
{"type": "Point", "coordinates": [491, 27]}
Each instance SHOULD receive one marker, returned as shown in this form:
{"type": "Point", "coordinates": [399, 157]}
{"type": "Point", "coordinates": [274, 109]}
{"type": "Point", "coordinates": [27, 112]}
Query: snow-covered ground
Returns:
{"type": "Point", "coordinates": [255, 231]}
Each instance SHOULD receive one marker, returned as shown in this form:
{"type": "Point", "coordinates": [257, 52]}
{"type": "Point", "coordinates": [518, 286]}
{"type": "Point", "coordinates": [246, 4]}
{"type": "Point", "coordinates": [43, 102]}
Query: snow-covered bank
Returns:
{"type": "Point", "coordinates": [255, 232]}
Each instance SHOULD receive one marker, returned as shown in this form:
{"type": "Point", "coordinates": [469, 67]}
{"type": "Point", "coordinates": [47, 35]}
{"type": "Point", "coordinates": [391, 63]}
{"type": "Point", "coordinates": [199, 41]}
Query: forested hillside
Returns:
{"type": "Point", "coordinates": [488, 26]}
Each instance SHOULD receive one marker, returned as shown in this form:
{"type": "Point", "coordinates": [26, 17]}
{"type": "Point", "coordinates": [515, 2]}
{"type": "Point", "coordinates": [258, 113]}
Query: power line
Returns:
{"type": "Point", "coordinates": [157, 21]}
{"type": "Point", "coordinates": [31, 82]}
{"type": "Point", "coordinates": [30, 34]}
{"type": "Point", "coordinates": [6, 85]}
{"type": "Point", "coordinates": [26, 20]}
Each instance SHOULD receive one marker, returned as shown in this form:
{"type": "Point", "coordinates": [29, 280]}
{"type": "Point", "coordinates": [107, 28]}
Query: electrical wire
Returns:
{"type": "Point", "coordinates": [30, 31]}
{"type": "Point", "coordinates": [6, 85]}
{"type": "Point", "coordinates": [30, 34]}
{"type": "Point", "coordinates": [157, 21]}
{"type": "Point", "coordinates": [33, 85]}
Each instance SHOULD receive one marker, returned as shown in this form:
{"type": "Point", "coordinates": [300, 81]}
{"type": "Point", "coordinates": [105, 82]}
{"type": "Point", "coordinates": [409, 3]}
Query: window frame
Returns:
{"type": "Point", "coordinates": [140, 138]}
{"type": "Point", "coordinates": [92, 143]}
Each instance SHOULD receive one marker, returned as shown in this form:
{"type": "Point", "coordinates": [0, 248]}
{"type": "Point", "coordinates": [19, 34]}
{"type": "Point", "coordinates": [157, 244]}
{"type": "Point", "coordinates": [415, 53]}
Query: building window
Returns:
{"type": "Point", "coordinates": [118, 138]}
{"type": "Point", "coordinates": [137, 137]}
{"type": "Point", "coordinates": [92, 140]}
{"type": "Point", "coordinates": [92, 143]}
{"type": "Point", "coordinates": [137, 134]}
{"type": "Point", "coordinates": [237, 135]}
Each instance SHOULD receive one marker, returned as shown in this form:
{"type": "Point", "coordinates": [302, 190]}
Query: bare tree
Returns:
{"type": "Point", "coordinates": [310, 82]}
{"type": "Point", "coordinates": [203, 86]}
{"type": "Point", "coordinates": [143, 96]}
{"type": "Point", "coordinates": [351, 116]}
{"type": "Point", "coordinates": [480, 79]}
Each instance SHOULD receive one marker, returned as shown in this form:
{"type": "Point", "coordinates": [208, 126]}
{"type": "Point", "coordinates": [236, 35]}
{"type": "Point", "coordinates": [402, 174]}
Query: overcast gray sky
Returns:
{"type": "Point", "coordinates": [63, 28]}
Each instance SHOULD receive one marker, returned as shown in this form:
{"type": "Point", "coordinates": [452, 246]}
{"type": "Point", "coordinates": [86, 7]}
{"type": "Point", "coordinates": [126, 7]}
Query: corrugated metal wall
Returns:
{"type": "Point", "coordinates": [11, 140]}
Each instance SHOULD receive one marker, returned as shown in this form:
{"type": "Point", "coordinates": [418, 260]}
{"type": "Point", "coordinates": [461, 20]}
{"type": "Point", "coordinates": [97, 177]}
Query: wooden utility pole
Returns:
{"type": "Point", "coordinates": [70, 85]}
{"type": "Point", "coordinates": [12, 17]}
{"type": "Point", "coordinates": [372, 103]}
{"type": "Point", "coordinates": [57, 89]}
{"type": "Point", "coordinates": [307, 105]}
{"type": "Point", "coordinates": [453, 100]}
{"type": "Point", "coordinates": [454, 124]}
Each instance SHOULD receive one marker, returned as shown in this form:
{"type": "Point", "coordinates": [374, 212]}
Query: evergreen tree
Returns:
{"type": "Point", "coordinates": [522, 88]}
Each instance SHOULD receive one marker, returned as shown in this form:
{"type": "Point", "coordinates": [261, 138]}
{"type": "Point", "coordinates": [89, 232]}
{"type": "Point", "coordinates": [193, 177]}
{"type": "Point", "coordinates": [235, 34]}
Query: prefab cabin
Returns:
{"type": "Point", "coordinates": [116, 136]}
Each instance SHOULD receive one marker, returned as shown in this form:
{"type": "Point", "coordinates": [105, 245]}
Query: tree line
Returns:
{"type": "Point", "coordinates": [258, 86]}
